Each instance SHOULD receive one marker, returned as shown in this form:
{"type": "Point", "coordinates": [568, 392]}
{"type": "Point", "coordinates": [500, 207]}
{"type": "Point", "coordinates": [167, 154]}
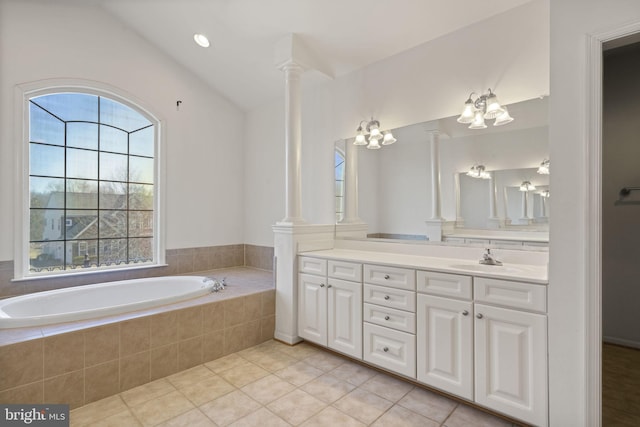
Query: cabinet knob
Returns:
{"type": "Point", "coordinates": [329, 286]}
{"type": "Point", "coordinates": [387, 297]}
{"type": "Point", "coordinates": [386, 317]}
{"type": "Point", "coordinates": [465, 313]}
{"type": "Point", "coordinates": [322, 285]}
{"type": "Point", "coordinates": [386, 349]}
{"type": "Point", "coordinates": [479, 316]}
{"type": "Point", "coordinates": [386, 276]}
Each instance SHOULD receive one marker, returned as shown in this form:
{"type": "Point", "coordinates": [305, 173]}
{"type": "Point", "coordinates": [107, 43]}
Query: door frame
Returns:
{"type": "Point", "coordinates": [592, 128]}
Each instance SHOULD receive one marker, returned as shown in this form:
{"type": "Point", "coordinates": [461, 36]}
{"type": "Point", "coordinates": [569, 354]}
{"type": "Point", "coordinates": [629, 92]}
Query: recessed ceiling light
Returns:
{"type": "Point", "coordinates": [201, 39]}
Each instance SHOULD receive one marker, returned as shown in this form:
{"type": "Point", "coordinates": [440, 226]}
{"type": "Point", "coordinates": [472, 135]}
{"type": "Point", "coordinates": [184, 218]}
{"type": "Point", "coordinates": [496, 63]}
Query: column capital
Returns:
{"type": "Point", "coordinates": [291, 66]}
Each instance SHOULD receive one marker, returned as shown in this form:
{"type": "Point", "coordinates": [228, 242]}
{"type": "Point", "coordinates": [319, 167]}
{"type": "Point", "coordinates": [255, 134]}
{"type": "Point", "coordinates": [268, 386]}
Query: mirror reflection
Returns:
{"type": "Point", "coordinates": [396, 190]}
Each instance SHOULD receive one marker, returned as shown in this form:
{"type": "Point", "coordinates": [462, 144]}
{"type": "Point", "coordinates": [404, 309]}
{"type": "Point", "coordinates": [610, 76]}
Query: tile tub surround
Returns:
{"type": "Point", "coordinates": [179, 261]}
{"type": "Point", "coordinates": [84, 361]}
{"type": "Point", "coordinates": [273, 384]}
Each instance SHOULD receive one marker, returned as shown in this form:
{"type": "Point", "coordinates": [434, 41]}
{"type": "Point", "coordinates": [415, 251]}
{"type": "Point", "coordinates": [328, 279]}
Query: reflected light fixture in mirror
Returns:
{"type": "Point", "coordinates": [545, 194]}
{"type": "Point", "coordinates": [478, 171]}
{"type": "Point", "coordinates": [372, 141]}
{"type": "Point", "coordinates": [527, 186]}
{"type": "Point", "coordinates": [484, 107]}
{"type": "Point", "coordinates": [543, 169]}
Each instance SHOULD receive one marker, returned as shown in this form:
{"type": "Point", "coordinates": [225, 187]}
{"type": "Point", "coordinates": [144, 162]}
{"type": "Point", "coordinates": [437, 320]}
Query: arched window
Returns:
{"type": "Point", "coordinates": [92, 184]}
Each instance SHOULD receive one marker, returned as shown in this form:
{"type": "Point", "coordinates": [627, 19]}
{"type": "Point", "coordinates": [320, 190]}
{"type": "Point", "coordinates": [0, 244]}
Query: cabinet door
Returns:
{"type": "Point", "coordinates": [312, 308]}
{"type": "Point", "coordinates": [445, 344]}
{"type": "Point", "coordinates": [511, 362]}
{"type": "Point", "coordinates": [344, 312]}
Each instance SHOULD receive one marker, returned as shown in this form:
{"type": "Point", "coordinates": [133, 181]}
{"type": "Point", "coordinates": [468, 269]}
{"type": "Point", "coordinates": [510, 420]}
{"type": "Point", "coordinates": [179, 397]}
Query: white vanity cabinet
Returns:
{"type": "Point", "coordinates": [511, 349]}
{"type": "Point", "coordinates": [485, 340]}
{"type": "Point", "coordinates": [389, 318]}
{"type": "Point", "coordinates": [481, 339]}
{"type": "Point", "coordinates": [330, 308]}
{"type": "Point", "coordinates": [445, 332]}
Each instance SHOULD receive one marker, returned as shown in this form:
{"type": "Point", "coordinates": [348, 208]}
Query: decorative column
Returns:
{"type": "Point", "coordinates": [456, 184]}
{"type": "Point", "coordinates": [435, 223]}
{"type": "Point", "coordinates": [434, 142]}
{"type": "Point", "coordinates": [494, 220]}
{"type": "Point", "coordinates": [293, 143]}
{"type": "Point", "coordinates": [526, 219]}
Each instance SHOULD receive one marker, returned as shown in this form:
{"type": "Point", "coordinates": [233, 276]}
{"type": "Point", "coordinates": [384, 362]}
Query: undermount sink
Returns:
{"type": "Point", "coordinates": [484, 268]}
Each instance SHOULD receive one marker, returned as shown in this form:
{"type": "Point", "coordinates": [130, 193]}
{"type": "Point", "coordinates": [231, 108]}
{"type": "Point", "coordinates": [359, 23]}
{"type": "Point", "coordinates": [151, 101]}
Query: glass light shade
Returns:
{"type": "Point", "coordinates": [374, 133]}
{"type": "Point", "coordinates": [201, 39]}
{"type": "Point", "coordinates": [478, 171]}
{"type": "Point", "coordinates": [467, 113]}
{"type": "Point", "coordinates": [503, 118]}
{"type": "Point", "coordinates": [494, 109]}
{"type": "Point", "coordinates": [373, 144]}
{"type": "Point", "coordinates": [388, 139]}
{"type": "Point", "coordinates": [478, 121]}
{"type": "Point", "coordinates": [545, 194]}
{"type": "Point", "coordinates": [543, 169]}
{"type": "Point", "coordinates": [360, 139]}
{"type": "Point", "coordinates": [527, 186]}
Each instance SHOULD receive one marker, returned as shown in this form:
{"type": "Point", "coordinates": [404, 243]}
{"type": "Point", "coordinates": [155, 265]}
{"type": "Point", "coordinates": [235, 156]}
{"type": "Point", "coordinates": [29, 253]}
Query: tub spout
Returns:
{"type": "Point", "coordinates": [217, 284]}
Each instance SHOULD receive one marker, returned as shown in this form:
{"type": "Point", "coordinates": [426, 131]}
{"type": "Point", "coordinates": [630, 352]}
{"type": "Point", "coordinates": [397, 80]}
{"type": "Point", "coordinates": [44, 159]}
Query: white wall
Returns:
{"type": "Point", "coordinates": [45, 40]}
{"type": "Point", "coordinates": [621, 221]}
{"type": "Point", "coordinates": [508, 53]}
{"type": "Point", "coordinates": [571, 22]}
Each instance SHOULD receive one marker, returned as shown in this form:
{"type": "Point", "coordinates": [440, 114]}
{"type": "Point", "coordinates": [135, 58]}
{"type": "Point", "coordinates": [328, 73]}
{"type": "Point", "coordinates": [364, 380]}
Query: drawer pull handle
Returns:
{"type": "Point", "coordinates": [329, 286]}
{"type": "Point", "coordinates": [479, 316]}
{"type": "Point", "coordinates": [386, 276]}
{"type": "Point", "coordinates": [387, 297]}
{"type": "Point", "coordinates": [386, 349]}
{"type": "Point", "coordinates": [322, 285]}
{"type": "Point", "coordinates": [465, 313]}
{"type": "Point", "coordinates": [386, 317]}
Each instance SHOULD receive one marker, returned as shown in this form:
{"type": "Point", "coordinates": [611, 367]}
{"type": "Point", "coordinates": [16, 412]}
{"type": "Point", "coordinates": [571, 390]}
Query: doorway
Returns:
{"type": "Point", "coordinates": [620, 251]}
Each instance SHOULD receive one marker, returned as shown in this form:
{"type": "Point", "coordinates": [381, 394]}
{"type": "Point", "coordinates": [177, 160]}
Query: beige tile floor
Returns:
{"type": "Point", "coordinates": [273, 384]}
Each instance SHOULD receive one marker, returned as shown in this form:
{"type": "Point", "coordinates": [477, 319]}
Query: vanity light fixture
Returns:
{"type": "Point", "coordinates": [527, 186]}
{"type": "Point", "coordinates": [478, 171]}
{"type": "Point", "coordinates": [544, 193]}
{"type": "Point", "coordinates": [543, 169]}
{"type": "Point", "coordinates": [372, 128]}
{"type": "Point", "coordinates": [486, 106]}
{"type": "Point", "coordinates": [201, 40]}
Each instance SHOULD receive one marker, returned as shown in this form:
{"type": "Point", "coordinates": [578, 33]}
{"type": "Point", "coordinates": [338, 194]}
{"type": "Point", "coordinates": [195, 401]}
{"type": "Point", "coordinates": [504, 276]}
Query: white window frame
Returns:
{"type": "Point", "coordinates": [22, 94]}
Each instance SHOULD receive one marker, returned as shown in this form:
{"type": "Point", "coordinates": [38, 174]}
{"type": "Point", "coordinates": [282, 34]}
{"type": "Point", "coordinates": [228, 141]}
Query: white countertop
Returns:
{"type": "Point", "coordinates": [519, 272]}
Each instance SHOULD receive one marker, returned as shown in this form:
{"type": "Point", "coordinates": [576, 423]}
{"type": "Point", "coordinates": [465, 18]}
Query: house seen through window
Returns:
{"type": "Point", "coordinates": [91, 183]}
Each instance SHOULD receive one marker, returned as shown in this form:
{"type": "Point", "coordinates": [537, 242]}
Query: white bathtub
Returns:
{"type": "Point", "coordinates": [103, 299]}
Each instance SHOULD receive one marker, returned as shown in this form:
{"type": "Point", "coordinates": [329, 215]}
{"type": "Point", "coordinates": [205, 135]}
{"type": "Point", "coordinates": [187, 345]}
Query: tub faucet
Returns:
{"type": "Point", "coordinates": [489, 259]}
{"type": "Point", "coordinates": [217, 285]}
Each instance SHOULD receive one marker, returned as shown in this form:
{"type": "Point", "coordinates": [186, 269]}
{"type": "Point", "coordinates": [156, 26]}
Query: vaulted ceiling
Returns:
{"type": "Point", "coordinates": [343, 34]}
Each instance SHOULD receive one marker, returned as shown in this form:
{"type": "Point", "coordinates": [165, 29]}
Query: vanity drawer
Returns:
{"type": "Point", "coordinates": [390, 297]}
{"type": "Point", "coordinates": [345, 270]}
{"type": "Point", "coordinates": [390, 317]}
{"type": "Point", "coordinates": [311, 265]}
{"type": "Point", "coordinates": [401, 278]}
{"type": "Point", "coordinates": [511, 294]}
{"type": "Point", "coordinates": [390, 349]}
{"type": "Point", "coordinates": [445, 284]}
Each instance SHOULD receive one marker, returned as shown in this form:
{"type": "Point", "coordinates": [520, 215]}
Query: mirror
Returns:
{"type": "Point", "coordinates": [515, 207]}
{"type": "Point", "coordinates": [395, 187]}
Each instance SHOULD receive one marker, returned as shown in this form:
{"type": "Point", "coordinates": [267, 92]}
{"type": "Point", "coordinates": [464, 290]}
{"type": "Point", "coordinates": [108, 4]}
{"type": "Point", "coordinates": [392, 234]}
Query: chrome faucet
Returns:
{"type": "Point", "coordinates": [489, 259]}
{"type": "Point", "coordinates": [217, 285]}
